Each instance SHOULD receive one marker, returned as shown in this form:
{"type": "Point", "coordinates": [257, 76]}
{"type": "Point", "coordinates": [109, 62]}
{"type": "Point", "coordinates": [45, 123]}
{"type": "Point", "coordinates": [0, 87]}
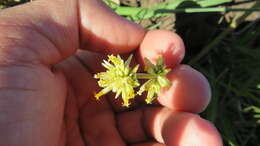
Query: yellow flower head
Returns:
{"type": "Point", "coordinates": [119, 78]}
{"type": "Point", "coordinates": [157, 79]}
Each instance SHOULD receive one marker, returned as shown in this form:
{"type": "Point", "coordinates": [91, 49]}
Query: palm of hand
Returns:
{"type": "Point", "coordinates": [96, 122]}
{"type": "Point", "coordinates": [61, 106]}
{"type": "Point", "coordinates": [104, 122]}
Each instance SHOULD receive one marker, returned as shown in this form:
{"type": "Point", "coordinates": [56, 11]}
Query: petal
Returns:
{"type": "Point", "coordinates": [102, 92]}
{"type": "Point", "coordinates": [128, 61]}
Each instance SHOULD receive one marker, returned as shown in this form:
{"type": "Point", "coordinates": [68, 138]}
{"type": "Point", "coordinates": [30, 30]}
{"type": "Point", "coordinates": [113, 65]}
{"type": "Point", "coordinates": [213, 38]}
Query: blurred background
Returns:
{"type": "Point", "coordinates": [222, 39]}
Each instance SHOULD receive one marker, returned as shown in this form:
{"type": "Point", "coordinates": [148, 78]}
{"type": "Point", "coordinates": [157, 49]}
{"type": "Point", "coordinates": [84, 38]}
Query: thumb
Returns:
{"type": "Point", "coordinates": [102, 30]}
{"type": "Point", "coordinates": [48, 31]}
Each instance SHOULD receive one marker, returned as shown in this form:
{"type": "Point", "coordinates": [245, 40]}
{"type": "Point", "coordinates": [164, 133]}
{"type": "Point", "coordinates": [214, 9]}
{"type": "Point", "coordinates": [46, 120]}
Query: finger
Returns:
{"type": "Point", "coordinates": [155, 43]}
{"type": "Point", "coordinates": [96, 119]}
{"type": "Point", "coordinates": [117, 104]}
{"type": "Point", "coordinates": [180, 129]}
{"type": "Point", "coordinates": [165, 43]}
{"type": "Point", "coordinates": [189, 92]}
{"type": "Point", "coordinates": [170, 128]}
{"type": "Point", "coordinates": [44, 31]}
{"type": "Point", "coordinates": [54, 34]}
{"type": "Point", "coordinates": [106, 32]}
{"type": "Point", "coordinates": [130, 125]}
{"type": "Point", "coordinates": [71, 116]}
{"type": "Point", "coordinates": [149, 144]}
{"type": "Point", "coordinates": [91, 60]}
{"type": "Point", "coordinates": [99, 127]}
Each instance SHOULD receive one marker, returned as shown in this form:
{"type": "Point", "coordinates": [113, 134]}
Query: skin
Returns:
{"type": "Point", "coordinates": [48, 55]}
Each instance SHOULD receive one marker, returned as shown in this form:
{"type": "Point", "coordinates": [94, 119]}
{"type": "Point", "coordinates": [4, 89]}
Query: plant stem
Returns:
{"type": "Point", "coordinates": [221, 36]}
{"type": "Point", "coordinates": [210, 3]}
{"type": "Point", "coordinates": [145, 76]}
{"type": "Point", "coordinates": [205, 10]}
{"type": "Point", "coordinates": [137, 13]}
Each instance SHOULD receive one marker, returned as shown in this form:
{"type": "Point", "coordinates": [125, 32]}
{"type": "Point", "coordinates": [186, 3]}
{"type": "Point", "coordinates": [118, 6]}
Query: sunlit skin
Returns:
{"type": "Point", "coordinates": [47, 86]}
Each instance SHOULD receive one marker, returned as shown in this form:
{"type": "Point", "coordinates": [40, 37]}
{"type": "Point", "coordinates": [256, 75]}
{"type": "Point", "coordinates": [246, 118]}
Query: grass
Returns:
{"type": "Point", "coordinates": [233, 71]}
{"type": "Point", "coordinates": [229, 58]}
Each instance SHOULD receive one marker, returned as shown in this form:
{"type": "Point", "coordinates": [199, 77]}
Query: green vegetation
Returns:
{"type": "Point", "coordinates": [10, 3]}
{"type": "Point", "coordinates": [224, 46]}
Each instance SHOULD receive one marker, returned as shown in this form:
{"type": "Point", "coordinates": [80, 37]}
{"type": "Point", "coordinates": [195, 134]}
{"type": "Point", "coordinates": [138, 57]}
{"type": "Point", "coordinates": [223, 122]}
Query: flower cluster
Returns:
{"type": "Point", "coordinates": [156, 75]}
{"type": "Point", "coordinates": [121, 79]}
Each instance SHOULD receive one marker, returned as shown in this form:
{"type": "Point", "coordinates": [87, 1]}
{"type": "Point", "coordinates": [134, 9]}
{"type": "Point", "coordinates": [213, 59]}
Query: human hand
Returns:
{"type": "Point", "coordinates": [47, 98]}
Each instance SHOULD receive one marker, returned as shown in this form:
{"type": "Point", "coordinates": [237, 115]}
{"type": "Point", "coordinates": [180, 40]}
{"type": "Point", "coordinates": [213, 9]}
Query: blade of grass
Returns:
{"type": "Point", "coordinates": [228, 131]}
{"type": "Point", "coordinates": [239, 93]}
{"type": "Point", "coordinates": [227, 31]}
{"type": "Point", "coordinates": [207, 10]}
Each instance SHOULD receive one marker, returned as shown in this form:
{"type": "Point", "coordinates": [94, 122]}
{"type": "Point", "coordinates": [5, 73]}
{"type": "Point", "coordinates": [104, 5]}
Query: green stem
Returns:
{"type": "Point", "coordinates": [145, 76]}
{"type": "Point", "coordinates": [137, 13]}
{"type": "Point", "coordinates": [210, 3]}
{"type": "Point", "coordinates": [206, 10]}
{"type": "Point", "coordinates": [246, 95]}
{"type": "Point", "coordinates": [222, 35]}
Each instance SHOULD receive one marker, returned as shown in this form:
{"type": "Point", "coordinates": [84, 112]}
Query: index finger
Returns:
{"type": "Point", "coordinates": [190, 91]}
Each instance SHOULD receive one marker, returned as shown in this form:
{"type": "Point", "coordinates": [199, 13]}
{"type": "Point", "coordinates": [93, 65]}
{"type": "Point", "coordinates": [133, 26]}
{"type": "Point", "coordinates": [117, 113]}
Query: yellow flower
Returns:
{"type": "Point", "coordinates": [157, 79]}
{"type": "Point", "coordinates": [119, 78]}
